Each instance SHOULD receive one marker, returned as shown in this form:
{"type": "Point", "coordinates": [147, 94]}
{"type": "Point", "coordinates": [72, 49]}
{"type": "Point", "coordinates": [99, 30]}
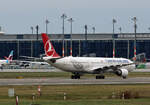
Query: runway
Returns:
{"type": "Point", "coordinates": [66, 81]}
{"type": "Point", "coordinates": [54, 70]}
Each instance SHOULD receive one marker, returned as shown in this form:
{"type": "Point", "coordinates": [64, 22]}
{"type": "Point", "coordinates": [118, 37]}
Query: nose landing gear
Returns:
{"type": "Point", "coordinates": [100, 77]}
{"type": "Point", "coordinates": [75, 76]}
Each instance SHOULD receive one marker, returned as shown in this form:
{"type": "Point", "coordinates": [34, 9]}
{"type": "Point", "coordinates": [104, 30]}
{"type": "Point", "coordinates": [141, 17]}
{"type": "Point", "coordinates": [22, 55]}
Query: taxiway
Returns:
{"type": "Point", "coordinates": [66, 81]}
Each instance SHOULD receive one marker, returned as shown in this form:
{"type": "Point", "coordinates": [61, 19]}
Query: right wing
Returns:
{"type": "Point", "coordinates": [106, 68]}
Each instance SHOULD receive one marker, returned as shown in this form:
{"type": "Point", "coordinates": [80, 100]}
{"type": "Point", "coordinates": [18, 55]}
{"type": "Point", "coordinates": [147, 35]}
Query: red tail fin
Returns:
{"type": "Point", "coordinates": [48, 47]}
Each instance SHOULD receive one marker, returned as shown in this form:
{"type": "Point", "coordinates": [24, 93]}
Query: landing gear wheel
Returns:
{"type": "Point", "coordinates": [124, 77]}
{"type": "Point", "coordinates": [72, 77]}
{"type": "Point", "coordinates": [100, 77]}
{"type": "Point", "coordinates": [75, 77]}
{"type": "Point", "coordinates": [78, 76]}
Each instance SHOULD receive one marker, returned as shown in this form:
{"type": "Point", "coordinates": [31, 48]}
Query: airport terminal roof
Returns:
{"type": "Point", "coordinates": [96, 36]}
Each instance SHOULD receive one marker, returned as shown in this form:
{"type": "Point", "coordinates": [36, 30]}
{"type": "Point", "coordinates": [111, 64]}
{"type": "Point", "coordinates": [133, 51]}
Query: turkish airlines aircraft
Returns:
{"type": "Point", "coordinates": [7, 59]}
{"type": "Point", "coordinates": [80, 65]}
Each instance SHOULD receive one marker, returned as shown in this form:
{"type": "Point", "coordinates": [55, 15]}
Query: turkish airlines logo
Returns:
{"type": "Point", "coordinates": [77, 65]}
{"type": "Point", "coordinates": [49, 50]}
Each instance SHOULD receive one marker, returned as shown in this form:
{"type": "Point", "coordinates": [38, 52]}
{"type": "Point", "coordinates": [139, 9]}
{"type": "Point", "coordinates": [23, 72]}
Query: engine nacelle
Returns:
{"type": "Point", "coordinates": [122, 72]}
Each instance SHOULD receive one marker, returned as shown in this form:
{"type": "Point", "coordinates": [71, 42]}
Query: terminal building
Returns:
{"type": "Point", "coordinates": [98, 44]}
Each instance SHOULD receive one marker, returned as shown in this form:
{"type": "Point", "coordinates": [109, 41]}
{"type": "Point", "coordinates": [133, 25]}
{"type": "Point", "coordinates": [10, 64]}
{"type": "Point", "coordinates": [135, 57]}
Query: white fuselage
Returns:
{"type": "Point", "coordinates": [3, 62]}
{"type": "Point", "coordinates": [89, 64]}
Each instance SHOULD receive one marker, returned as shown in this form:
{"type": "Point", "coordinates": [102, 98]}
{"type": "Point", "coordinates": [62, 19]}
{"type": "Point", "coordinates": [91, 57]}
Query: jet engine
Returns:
{"type": "Point", "coordinates": [122, 72]}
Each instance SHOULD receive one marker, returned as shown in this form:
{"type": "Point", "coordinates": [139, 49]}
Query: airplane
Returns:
{"type": "Point", "coordinates": [81, 65]}
{"type": "Point", "coordinates": [30, 61]}
{"type": "Point", "coordinates": [26, 64]}
{"type": "Point", "coordinates": [7, 59]}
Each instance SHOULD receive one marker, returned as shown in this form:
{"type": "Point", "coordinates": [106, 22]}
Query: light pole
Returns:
{"type": "Point", "coordinates": [64, 16]}
{"type": "Point", "coordinates": [120, 29]}
{"type": "Point", "coordinates": [37, 37]}
{"type": "Point", "coordinates": [149, 28]}
{"type": "Point", "coordinates": [31, 41]}
{"type": "Point", "coordinates": [86, 47]}
{"type": "Point", "coordinates": [37, 30]}
{"type": "Point", "coordinates": [71, 20]}
{"type": "Point", "coordinates": [114, 21]}
{"type": "Point", "coordinates": [93, 30]}
{"type": "Point", "coordinates": [31, 29]}
{"type": "Point", "coordinates": [134, 19]}
{"type": "Point", "coordinates": [46, 22]}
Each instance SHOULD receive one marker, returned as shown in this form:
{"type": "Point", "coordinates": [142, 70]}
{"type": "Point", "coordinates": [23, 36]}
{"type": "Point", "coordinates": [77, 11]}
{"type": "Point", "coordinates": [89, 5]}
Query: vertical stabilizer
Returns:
{"type": "Point", "coordinates": [10, 57]}
{"type": "Point", "coordinates": [48, 47]}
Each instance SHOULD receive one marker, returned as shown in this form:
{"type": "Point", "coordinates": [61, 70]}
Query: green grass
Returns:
{"type": "Point", "coordinates": [76, 95]}
{"type": "Point", "coordinates": [81, 102]}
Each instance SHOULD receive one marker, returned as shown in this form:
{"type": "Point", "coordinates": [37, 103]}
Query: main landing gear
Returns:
{"type": "Point", "coordinates": [124, 77]}
{"type": "Point", "coordinates": [100, 77]}
{"type": "Point", "coordinates": [75, 76]}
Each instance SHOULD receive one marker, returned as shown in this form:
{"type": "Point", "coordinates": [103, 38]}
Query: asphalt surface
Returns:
{"type": "Point", "coordinates": [66, 81]}
{"type": "Point", "coordinates": [54, 70]}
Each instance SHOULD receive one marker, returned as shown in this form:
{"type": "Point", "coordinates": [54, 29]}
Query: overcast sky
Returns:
{"type": "Point", "coordinates": [17, 16]}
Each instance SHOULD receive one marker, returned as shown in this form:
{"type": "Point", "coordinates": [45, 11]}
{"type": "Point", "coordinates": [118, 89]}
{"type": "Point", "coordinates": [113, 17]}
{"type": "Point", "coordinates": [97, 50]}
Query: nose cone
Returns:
{"type": "Point", "coordinates": [132, 66]}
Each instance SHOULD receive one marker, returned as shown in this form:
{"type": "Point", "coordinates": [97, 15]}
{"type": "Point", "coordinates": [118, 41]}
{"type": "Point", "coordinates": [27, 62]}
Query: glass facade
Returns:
{"type": "Point", "coordinates": [101, 48]}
